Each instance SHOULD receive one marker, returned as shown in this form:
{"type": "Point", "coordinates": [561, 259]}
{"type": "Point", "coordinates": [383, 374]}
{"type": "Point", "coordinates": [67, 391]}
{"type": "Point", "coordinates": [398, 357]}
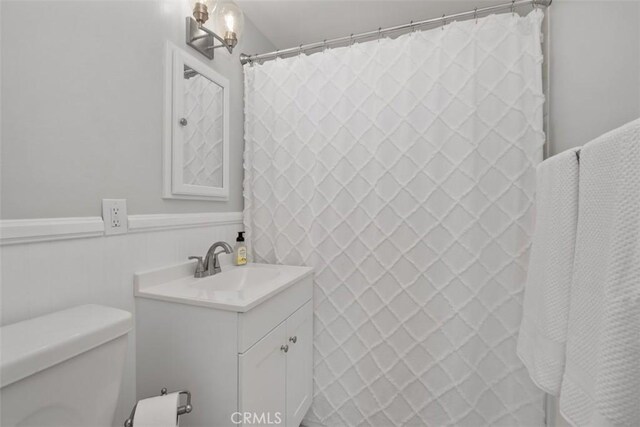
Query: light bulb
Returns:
{"type": "Point", "coordinates": [228, 21]}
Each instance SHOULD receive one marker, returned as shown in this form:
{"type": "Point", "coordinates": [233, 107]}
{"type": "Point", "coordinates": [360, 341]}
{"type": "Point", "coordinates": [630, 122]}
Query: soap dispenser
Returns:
{"type": "Point", "coordinates": [240, 251]}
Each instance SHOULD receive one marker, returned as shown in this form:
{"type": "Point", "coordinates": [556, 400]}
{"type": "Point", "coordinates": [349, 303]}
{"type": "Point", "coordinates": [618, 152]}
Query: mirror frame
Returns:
{"type": "Point", "coordinates": [173, 184]}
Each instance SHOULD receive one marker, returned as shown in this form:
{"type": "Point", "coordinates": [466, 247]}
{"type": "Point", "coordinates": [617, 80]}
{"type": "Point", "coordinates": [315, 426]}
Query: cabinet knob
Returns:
{"type": "Point", "coordinates": [183, 121]}
{"type": "Point", "coordinates": [293, 339]}
{"type": "Point", "coordinates": [284, 348]}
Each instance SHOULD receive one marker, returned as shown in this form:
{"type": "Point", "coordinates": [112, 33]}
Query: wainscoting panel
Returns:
{"type": "Point", "coordinates": [40, 277]}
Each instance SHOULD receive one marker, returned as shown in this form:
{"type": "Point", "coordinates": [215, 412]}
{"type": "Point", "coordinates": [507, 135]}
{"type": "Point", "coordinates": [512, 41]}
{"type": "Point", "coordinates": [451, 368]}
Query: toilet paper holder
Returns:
{"type": "Point", "coordinates": [182, 409]}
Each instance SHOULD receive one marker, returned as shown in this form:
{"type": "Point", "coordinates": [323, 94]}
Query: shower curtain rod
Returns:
{"type": "Point", "coordinates": [244, 58]}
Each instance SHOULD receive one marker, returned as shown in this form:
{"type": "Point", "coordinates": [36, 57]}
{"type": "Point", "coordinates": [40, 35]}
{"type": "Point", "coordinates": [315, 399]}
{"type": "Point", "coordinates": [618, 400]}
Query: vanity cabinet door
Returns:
{"type": "Point", "coordinates": [299, 364]}
{"type": "Point", "coordinates": [262, 380]}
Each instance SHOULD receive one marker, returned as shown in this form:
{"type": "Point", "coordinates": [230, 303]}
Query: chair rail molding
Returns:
{"type": "Point", "coordinates": [16, 231]}
{"type": "Point", "coordinates": [153, 222]}
{"type": "Point", "coordinates": [21, 231]}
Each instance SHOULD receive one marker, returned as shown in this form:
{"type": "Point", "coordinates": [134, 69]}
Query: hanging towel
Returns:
{"type": "Point", "coordinates": [543, 330]}
{"type": "Point", "coordinates": [618, 381]}
{"type": "Point", "coordinates": [601, 383]}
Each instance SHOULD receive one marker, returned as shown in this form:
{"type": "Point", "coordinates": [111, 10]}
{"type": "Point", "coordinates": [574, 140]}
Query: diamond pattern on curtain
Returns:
{"type": "Point", "coordinates": [404, 171]}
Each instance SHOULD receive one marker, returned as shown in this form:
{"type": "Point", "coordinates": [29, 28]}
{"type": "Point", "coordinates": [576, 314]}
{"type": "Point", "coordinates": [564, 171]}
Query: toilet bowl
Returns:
{"type": "Point", "coordinates": [63, 369]}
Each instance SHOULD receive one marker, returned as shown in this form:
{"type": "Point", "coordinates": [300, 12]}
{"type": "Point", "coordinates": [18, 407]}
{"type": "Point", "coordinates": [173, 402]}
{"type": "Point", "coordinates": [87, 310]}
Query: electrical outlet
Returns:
{"type": "Point", "coordinates": [114, 215]}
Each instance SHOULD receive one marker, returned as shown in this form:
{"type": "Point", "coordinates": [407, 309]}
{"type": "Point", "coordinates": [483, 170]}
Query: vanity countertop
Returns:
{"type": "Point", "coordinates": [236, 289]}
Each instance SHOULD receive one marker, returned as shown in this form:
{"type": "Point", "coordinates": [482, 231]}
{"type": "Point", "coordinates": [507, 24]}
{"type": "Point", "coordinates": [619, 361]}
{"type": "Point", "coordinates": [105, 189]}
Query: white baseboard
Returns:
{"type": "Point", "coordinates": [20, 231]}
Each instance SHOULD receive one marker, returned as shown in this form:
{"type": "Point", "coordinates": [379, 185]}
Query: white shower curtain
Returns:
{"type": "Point", "coordinates": [403, 171]}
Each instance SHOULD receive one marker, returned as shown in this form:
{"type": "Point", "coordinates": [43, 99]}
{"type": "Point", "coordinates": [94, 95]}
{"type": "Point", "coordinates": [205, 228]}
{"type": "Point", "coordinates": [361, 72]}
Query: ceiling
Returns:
{"type": "Point", "coordinates": [289, 23]}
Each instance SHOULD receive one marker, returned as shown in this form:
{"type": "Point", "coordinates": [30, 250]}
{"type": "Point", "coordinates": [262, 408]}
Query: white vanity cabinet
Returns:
{"type": "Point", "coordinates": [299, 364]}
{"type": "Point", "coordinates": [277, 371]}
{"type": "Point", "coordinates": [246, 361]}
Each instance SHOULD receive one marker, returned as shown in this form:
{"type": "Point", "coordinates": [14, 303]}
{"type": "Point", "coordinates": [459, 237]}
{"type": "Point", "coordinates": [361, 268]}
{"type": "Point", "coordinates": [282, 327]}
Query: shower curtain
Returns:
{"type": "Point", "coordinates": [403, 171]}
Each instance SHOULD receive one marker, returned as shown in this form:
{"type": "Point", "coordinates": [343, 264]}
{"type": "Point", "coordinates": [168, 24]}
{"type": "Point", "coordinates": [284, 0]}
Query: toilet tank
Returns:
{"type": "Point", "coordinates": [63, 369]}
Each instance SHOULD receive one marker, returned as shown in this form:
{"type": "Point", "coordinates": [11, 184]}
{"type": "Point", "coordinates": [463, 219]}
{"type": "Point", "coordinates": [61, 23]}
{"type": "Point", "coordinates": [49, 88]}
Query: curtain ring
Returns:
{"type": "Point", "coordinates": [324, 48]}
{"type": "Point", "coordinates": [413, 29]}
{"type": "Point", "coordinates": [444, 21]}
{"type": "Point", "coordinates": [351, 40]}
{"type": "Point", "coordinates": [475, 14]}
{"type": "Point", "coordinates": [534, 5]}
{"type": "Point", "coordinates": [299, 50]}
{"type": "Point", "coordinates": [512, 6]}
{"type": "Point", "coordinates": [379, 34]}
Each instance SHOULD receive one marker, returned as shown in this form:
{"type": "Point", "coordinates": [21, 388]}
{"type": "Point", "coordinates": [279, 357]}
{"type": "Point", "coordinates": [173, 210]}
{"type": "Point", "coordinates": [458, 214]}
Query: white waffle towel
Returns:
{"type": "Point", "coordinates": [543, 331]}
{"type": "Point", "coordinates": [601, 384]}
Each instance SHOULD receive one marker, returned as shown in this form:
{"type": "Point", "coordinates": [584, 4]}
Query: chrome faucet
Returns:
{"type": "Point", "coordinates": [211, 264]}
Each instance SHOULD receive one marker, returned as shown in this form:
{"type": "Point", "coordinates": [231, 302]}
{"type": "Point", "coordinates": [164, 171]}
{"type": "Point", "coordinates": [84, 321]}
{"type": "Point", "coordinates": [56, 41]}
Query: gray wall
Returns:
{"type": "Point", "coordinates": [82, 103]}
{"type": "Point", "coordinates": [594, 69]}
{"type": "Point", "coordinates": [82, 97]}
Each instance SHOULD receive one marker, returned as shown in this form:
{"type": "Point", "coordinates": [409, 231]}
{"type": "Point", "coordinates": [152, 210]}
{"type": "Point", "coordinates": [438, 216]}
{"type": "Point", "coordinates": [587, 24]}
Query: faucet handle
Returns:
{"type": "Point", "coordinates": [199, 267]}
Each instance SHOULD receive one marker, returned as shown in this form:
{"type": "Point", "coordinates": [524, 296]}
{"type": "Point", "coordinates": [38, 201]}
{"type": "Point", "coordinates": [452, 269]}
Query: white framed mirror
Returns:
{"type": "Point", "coordinates": [196, 129]}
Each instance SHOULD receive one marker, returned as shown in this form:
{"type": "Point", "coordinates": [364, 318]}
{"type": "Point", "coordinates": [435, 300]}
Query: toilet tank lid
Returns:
{"type": "Point", "coordinates": [32, 345]}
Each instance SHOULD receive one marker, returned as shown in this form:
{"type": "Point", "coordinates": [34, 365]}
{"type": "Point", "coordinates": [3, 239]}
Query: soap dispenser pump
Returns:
{"type": "Point", "coordinates": [240, 250]}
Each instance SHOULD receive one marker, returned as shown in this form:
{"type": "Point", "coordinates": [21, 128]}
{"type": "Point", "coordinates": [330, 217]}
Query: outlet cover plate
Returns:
{"type": "Point", "coordinates": [114, 215]}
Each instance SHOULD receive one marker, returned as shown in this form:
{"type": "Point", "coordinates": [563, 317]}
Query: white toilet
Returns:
{"type": "Point", "coordinates": [63, 369]}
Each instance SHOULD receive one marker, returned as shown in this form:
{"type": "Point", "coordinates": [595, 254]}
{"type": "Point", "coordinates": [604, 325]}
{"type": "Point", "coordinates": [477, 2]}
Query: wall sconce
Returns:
{"type": "Point", "coordinates": [228, 23]}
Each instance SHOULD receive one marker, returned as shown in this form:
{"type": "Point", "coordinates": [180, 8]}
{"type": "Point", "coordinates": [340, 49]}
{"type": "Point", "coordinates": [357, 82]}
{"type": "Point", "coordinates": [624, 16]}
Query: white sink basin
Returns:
{"type": "Point", "coordinates": [235, 288]}
{"type": "Point", "coordinates": [249, 278]}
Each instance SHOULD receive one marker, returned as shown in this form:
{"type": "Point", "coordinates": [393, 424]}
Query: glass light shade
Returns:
{"type": "Point", "coordinates": [201, 9]}
{"type": "Point", "coordinates": [228, 21]}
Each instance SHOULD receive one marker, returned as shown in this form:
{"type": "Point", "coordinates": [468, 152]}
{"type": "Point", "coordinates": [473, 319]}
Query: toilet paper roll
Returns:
{"type": "Point", "coordinates": [160, 411]}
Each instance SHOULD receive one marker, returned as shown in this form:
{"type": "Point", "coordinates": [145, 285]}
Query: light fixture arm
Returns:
{"type": "Point", "coordinates": [203, 39]}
